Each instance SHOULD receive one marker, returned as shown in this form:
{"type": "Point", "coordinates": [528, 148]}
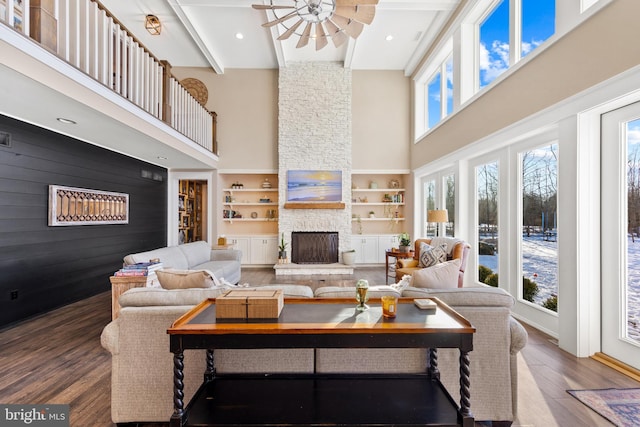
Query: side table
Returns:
{"type": "Point", "coordinates": [120, 285]}
{"type": "Point", "coordinates": [393, 254]}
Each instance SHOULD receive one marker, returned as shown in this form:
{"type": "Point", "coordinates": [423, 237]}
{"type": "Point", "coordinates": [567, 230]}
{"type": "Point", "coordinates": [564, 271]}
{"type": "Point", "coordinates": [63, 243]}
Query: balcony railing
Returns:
{"type": "Point", "coordinates": [89, 37]}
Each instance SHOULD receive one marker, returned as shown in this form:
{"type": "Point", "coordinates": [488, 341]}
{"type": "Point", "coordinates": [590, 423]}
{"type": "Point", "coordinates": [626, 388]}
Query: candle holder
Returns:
{"type": "Point", "coordinates": [362, 288]}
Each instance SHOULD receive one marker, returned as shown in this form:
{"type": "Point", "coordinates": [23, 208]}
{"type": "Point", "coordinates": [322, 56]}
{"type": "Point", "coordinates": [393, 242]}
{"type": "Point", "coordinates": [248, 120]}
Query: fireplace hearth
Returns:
{"type": "Point", "coordinates": [314, 247]}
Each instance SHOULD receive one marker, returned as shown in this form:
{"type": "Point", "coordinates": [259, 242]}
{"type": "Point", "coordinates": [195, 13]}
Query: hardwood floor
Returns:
{"type": "Point", "coordinates": [57, 358]}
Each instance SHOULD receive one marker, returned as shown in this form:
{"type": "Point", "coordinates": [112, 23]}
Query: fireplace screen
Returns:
{"type": "Point", "coordinates": [314, 247]}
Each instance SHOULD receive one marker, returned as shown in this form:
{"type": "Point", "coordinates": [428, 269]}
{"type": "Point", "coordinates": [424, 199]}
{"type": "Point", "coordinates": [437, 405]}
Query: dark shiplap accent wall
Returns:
{"type": "Point", "coordinates": [53, 266]}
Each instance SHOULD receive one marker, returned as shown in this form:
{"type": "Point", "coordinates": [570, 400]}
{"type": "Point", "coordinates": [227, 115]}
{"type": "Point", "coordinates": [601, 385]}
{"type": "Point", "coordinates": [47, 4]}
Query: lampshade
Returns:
{"type": "Point", "coordinates": [437, 215]}
{"type": "Point", "coordinates": [153, 25]}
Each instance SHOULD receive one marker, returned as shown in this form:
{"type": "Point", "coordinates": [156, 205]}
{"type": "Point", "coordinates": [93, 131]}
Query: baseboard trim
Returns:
{"type": "Point", "coordinates": [617, 365]}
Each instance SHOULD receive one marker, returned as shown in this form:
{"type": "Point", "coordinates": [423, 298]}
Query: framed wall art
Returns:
{"type": "Point", "coordinates": [81, 206]}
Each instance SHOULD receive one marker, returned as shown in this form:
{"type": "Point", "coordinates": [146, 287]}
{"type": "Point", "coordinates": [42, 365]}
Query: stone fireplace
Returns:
{"type": "Point", "coordinates": [314, 133]}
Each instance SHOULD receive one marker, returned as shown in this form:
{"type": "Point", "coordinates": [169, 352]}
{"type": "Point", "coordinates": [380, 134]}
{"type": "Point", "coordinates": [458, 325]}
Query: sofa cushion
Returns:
{"type": "Point", "coordinates": [171, 257]}
{"type": "Point", "coordinates": [291, 291]}
{"type": "Point", "coordinates": [441, 275]}
{"type": "Point", "coordinates": [196, 253]}
{"type": "Point", "coordinates": [371, 360]}
{"type": "Point", "coordinates": [184, 279]}
{"type": "Point", "coordinates": [465, 297]}
{"type": "Point", "coordinates": [220, 269]}
{"type": "Point", "coordinates": [431, 255]}
{"type": "Point", "coordinates": [350, 292]}
{"type": "Point", "coordinates": [149, 297]}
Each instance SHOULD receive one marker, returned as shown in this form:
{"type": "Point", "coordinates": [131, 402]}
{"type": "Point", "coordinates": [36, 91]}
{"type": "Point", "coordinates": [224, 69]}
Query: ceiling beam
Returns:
{"type": "Point", "coordinates": [216, 64]}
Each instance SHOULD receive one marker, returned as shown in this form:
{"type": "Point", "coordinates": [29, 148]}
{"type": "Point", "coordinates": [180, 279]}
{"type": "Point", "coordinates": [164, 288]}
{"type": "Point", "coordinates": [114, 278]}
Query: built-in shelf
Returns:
{"type": "Point", "coordinates": [250, 204]}
{"type": "Point", "coordinates": [378, 219]}
{"type": "Point", "coordinates": [249, 219]}
{"type": "Point", "coordinates": [376, 204]}
{"type": "Point", "coordinates": [378, 190]}
{"type": "Point", "coordinates": [250, 190]}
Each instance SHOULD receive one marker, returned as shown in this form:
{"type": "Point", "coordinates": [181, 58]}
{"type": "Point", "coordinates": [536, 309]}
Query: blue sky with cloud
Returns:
{"type": "Point", "coordinates": [538, 24]}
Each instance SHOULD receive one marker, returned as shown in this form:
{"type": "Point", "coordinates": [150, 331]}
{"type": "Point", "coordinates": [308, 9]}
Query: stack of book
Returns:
{"type": "Point", "coordinates": [147, 269]}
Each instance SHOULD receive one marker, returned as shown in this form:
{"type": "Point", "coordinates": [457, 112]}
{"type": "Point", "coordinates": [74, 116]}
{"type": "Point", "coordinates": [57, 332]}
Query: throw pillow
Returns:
{"type": "Point", "coordinates": [432, 255]}
{"type": "Point", "coordinates": [440, 276]}
{"type": "Point", "coordinates": [184, 279]}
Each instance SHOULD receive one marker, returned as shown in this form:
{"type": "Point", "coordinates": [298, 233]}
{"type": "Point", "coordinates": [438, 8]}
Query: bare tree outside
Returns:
{"type": "Point", "coordinates": [430, 203]}
{"type": "Point", "coordinates": [539, 226]}
{"type": "Point", "coordinates": [487, 199]}
{"type": "Point", "coordinates": [633, 230]}
{"type": "Point", "coordinates": [450, 203]}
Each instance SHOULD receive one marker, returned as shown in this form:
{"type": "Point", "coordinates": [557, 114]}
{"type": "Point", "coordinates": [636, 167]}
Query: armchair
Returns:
{"type": "Point", "coordinates": [456, 249]}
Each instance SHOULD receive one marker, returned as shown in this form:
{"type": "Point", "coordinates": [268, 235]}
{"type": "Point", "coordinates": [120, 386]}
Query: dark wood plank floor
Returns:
{"type": "Point", "coordinates": [57, 358]}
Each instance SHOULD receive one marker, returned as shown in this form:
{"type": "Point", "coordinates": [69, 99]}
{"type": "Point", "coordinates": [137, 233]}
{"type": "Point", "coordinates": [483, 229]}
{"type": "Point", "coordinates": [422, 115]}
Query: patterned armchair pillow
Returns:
{"type": "Point", "coordinates": [432, 255]}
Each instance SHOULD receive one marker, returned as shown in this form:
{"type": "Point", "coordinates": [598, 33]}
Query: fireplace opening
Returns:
{"type": "Point", "coordinates": [314, 247]}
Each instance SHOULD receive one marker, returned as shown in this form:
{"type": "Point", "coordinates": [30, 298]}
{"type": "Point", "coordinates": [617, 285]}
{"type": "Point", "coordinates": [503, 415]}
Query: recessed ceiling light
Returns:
{"type": "Point", "coordinates": [66, 121]}
{"type": "Point", "coordinates": [162, 158]}
{"type": "Point", "coordinates": [389, 38]}
{"type": "Point", "coordinates": [239, 36]}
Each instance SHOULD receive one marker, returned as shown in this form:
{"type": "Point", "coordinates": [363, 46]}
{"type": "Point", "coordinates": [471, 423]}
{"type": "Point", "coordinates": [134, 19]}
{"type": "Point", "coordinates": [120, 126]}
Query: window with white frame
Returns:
{"type": "Point", "coordinates": [439, 193]}
{"type": "Point", "coordinates": [510, 31]}
{"type": "Point", "coordinates": [487, 200]}
{"type": "Point", "coordinates": [429, 187]}
{"type": "Point", "coordinates": [440, 93]}
{"type": "Point", "coordinates": [538, 214]}
{"type": "Point", "coordinates": [434, 90]}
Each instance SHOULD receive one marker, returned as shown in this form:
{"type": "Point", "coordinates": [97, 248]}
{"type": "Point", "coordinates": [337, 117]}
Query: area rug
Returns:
{"type": "Point", "coordinates": [621, 406]}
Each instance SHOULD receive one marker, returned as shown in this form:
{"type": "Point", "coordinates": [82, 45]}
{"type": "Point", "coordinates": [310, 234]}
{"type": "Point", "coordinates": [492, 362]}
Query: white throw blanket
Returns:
{"type": "Point", "coordinates": [402, 284]}
{"type": "Point", "coordinates": [449, 242]}
{"type": "Point", "coordinates": [223, 283]}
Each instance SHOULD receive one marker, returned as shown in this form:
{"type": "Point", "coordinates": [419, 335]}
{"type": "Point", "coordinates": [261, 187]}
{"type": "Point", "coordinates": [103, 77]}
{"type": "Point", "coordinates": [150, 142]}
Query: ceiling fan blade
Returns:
{"type": "Point", "coordinates": [321, 37]}
{"type": "Point", "coordinates": [304, 38]}
{"type": "Point", "coordinates": [349, 26]}
{"type": "Point", "coordinates": [270, 6]}
{"type": "Point", "coordinates": [355, 2]}
{"type": "Point", "coordinates": [338, 37]}
{"type": "Point", "coordinates": [290, 31]}
{"type": "Point", "coordinates": [364, 14]}
{"type": "Point", "coordinates": [282, 19]}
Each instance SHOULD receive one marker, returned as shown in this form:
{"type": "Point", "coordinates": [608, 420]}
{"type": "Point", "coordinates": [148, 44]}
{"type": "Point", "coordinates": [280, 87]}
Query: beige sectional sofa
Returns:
{"type": "Point", "coordinates": [141, 389]}
{"type": "Point", "coordinates": [224, 264]}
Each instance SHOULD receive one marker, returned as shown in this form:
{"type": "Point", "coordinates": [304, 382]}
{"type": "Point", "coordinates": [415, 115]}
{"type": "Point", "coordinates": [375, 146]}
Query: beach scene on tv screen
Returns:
{"type": "Point", "coordinates": [314, 186]}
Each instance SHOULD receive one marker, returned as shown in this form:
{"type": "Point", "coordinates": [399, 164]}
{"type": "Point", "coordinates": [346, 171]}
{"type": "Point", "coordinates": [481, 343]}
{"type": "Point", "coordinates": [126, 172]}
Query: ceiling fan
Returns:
{"type": "Point", "coordinates": [325, 19]}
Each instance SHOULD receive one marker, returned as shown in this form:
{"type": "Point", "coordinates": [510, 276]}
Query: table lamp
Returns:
{"type": "Point", "coordinates": [437, 216]}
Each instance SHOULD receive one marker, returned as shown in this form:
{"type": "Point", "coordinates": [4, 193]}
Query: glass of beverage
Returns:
{"type": "Point", "coordinates": [389, 306]}
{"type": "Point", "coordinates": [362, 287]}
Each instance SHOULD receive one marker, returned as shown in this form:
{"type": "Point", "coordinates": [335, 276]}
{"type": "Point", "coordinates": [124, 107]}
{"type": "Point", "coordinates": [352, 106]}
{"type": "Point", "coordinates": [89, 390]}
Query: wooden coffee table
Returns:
{"type": "Point", "coordinates": [323, 399]}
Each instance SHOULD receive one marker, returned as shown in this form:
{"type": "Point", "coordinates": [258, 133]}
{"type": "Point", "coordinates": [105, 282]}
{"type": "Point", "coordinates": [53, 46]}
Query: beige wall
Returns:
{"type": "Point", "coordinates": [381, 120]}
{"type": "Point", "coordinates": [246, 102]}
{"type": "Point", "coordinates": [600, 48]}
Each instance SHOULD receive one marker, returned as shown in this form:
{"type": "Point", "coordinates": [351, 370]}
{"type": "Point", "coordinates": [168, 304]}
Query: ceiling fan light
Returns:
{"type": "Point", "coordinates": [152, 25]}
{"type": "Point", "coordinates": [343, 19]}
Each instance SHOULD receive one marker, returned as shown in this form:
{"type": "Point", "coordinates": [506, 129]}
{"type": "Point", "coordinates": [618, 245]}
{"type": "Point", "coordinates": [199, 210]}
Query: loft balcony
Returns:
{"type": "Point", "coordinates": [73, 59]}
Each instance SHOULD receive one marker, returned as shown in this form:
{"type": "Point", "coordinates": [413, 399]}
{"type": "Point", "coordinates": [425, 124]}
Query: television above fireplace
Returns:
{"type": "Point", "coordinates": [314, 186]}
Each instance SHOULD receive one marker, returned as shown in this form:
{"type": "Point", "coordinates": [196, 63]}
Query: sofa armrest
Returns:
{"type": "Point", "coordinates": [226, 255]}
{"type": "Point", "coordinates": [519, 336]}
{"type": "Point", "coordinates": [109, 337]}
{"type": "Point", "coordinates": [465, 297]}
